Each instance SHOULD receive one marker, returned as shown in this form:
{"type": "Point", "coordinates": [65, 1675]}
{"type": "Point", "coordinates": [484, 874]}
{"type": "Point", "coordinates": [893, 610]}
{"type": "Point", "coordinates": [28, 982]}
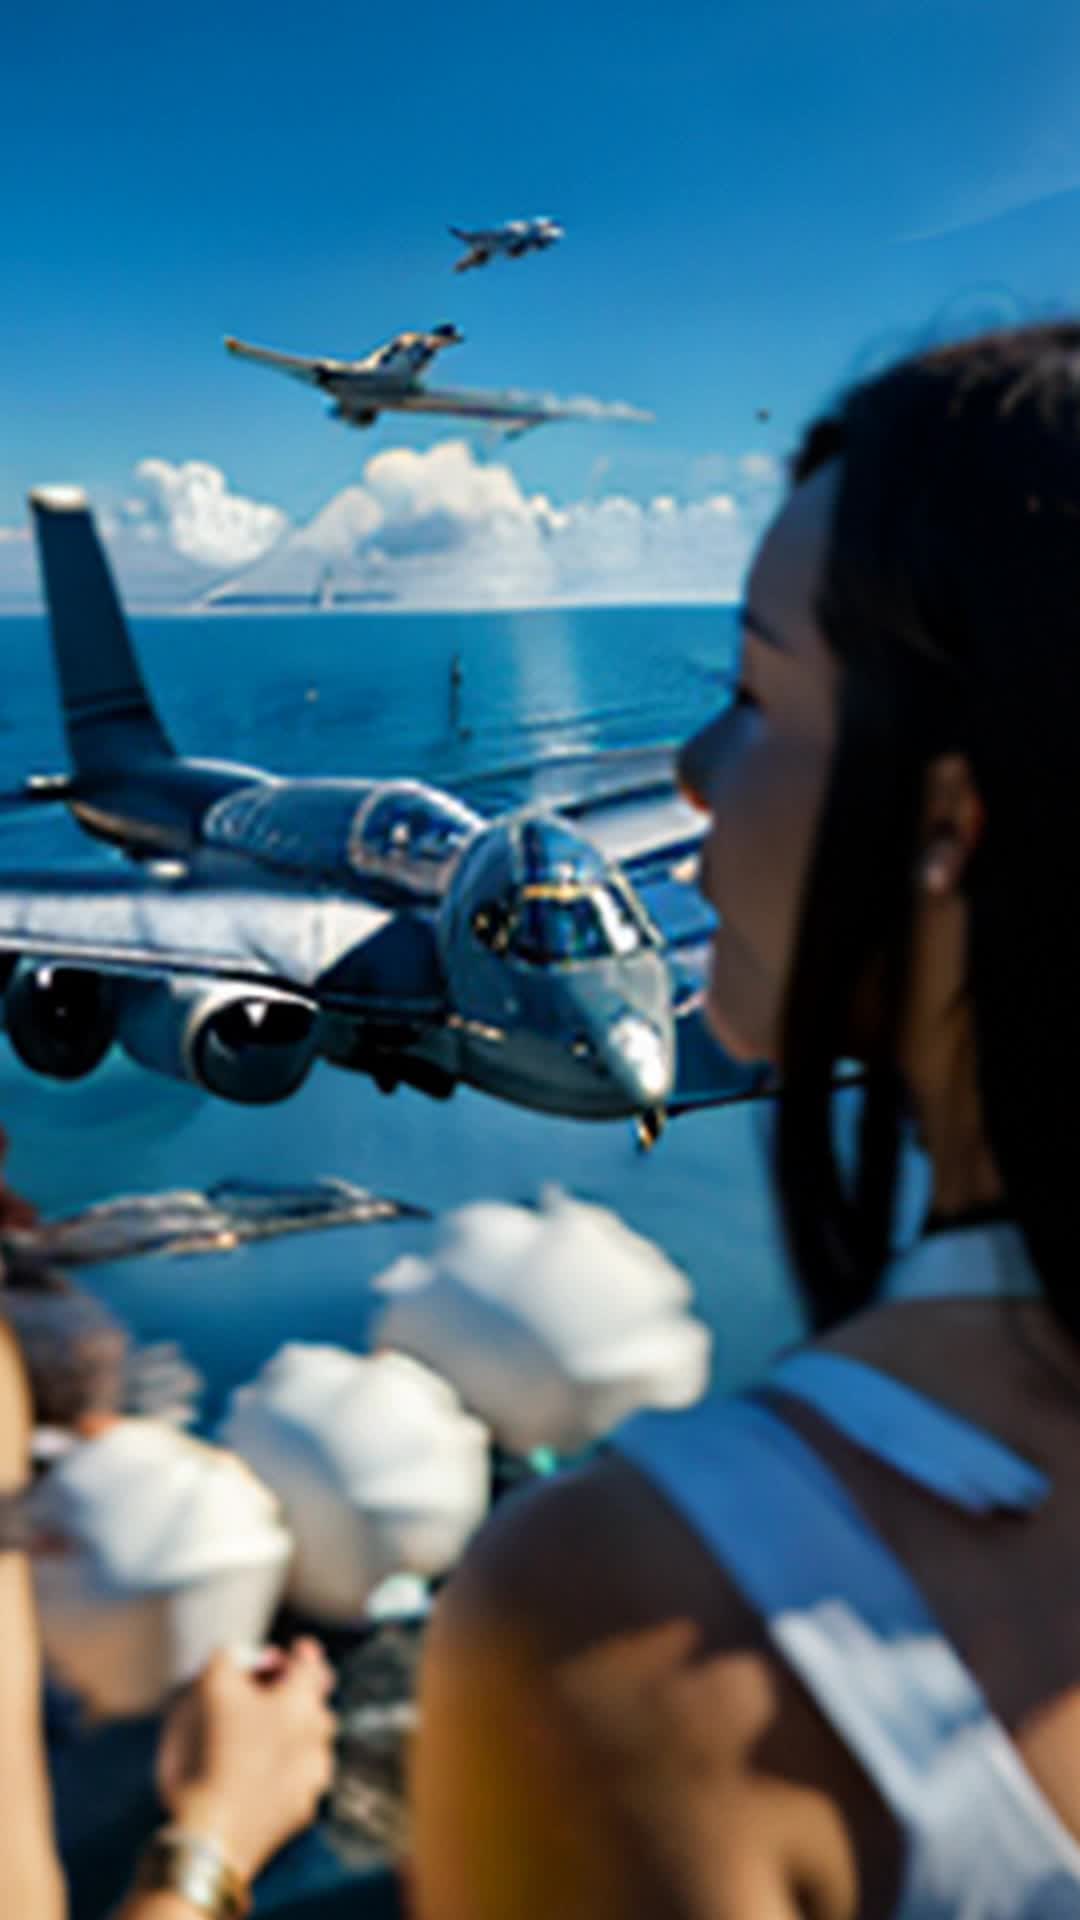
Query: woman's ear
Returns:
{"type": "Point", "coordinates": [954, 818]}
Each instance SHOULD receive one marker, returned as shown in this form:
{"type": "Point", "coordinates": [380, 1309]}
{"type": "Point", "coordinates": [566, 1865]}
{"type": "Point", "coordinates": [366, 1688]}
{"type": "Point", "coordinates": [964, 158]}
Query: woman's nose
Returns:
{"type": "Point", "coordinates": [694, 764]}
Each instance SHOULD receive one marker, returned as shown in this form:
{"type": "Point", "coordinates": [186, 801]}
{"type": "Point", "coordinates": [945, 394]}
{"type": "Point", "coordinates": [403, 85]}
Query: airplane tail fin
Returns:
{"type": "Point", "coordinates": [108, 716]}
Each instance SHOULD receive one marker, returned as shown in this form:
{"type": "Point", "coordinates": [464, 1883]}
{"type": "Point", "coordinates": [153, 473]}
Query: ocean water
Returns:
{"type": "Point", "coordinates": [369, 693]}
{"type": "Point", "coordinates": [354, 694]}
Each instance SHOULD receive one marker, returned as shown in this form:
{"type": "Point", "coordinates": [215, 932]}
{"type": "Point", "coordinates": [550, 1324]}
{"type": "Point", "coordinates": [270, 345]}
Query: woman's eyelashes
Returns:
{"type": "Point", "coordinates": [744, 698]}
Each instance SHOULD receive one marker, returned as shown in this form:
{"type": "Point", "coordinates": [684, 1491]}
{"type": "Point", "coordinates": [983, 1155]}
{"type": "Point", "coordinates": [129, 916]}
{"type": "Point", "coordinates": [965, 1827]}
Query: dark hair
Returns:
{"type": "Point", "coordinates": [952, 599]}
{"type": "Point", "coordinates": [74, 1351]}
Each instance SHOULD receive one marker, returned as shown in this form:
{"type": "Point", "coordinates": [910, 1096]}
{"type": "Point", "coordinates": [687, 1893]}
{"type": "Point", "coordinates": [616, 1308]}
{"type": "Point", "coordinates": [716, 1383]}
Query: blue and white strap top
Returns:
{"type": "Point", "coordinates": [981, 1841]}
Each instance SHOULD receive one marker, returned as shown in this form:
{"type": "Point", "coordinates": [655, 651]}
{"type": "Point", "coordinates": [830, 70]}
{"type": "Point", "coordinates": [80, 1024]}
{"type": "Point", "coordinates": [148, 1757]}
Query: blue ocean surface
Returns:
{"type": "Point", "coordinates": [355, 694]}
{"type": "Point", "coordinates": [352, 694]}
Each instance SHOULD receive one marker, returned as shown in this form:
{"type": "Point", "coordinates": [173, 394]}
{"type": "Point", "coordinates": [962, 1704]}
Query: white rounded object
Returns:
{"type": "Point", "coordinates": [377, 1465]}
{"type": "Point", "coordinates": [151, 1550]}
{"type": "Point", "coordinates": [553, 1322]}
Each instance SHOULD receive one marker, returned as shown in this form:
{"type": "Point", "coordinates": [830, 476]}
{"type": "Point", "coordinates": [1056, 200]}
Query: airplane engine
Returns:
{"type": "Point", "coordinates": [60, 1020]}
{"type": "Point", "coordinates": [354, 416]}
{"type": "Point", "coordinates": [253, 1048]}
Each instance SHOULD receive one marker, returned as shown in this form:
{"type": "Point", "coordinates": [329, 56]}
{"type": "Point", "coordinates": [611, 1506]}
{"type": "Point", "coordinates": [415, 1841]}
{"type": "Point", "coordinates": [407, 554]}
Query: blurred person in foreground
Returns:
{"type": "Point", "coordinates": [30, 1880]}
{"type": "Point", "coordinates": [815, 1650]}
{"type": "Point", "coordinates": [245, 1753]}
{"type": "Point", "coordinates": [150, 1549]}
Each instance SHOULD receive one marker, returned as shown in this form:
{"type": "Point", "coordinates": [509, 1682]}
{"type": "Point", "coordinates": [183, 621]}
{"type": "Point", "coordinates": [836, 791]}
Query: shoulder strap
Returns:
{"type": "Point", "coordinates": [853, 1626]}
{"type": "Point", "coordinates": [988, 1262]}
{"type": "Point", "coordinates": [793, 1540]}
{"type": "Point", "coordinates": [934, 1447]}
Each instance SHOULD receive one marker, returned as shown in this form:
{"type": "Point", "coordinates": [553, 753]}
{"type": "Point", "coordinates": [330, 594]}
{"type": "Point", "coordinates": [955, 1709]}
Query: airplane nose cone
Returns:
{"type": "Point", "coordinates": [642, 1058]}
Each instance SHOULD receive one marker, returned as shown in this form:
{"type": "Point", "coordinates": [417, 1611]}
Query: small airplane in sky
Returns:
{"type": "Point", "coordinates": [379, 924]}
{"type": "Point", "coordinates": [512, 240]}
{"type": "Point", "coordinates": [389, 381]}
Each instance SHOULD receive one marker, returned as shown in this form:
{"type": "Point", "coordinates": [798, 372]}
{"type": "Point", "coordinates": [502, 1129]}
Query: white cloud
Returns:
{"type": "Point", "coordinates": [761, 469]}
{"type": "Point", "coordinates": [442, 528]}
{"type": "Point", "coordinates": [200, 518]}
{"type": "Point", "coordinates": [345, 521]}
{"type": "Point", "coordinates": [446, 477]}
{"type": "Point", "coordinates": [433, 528]}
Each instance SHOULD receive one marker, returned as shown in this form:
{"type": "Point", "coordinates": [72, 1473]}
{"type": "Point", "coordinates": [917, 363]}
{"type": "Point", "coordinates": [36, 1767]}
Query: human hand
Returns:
{"type": "Point", "coordinates": [246, 1755]}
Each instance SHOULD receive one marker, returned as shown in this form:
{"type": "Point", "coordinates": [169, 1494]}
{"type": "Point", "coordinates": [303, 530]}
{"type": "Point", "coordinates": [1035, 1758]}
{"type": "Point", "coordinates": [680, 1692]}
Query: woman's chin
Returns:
{"type": "Point", "coordinates": [740, 1005]}
{"type": "Point", "coordinates": [745, 1049]}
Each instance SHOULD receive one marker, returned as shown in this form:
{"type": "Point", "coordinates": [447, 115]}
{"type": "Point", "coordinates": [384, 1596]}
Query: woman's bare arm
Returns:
{"type": "Point", "coordinates": [31, 1882]}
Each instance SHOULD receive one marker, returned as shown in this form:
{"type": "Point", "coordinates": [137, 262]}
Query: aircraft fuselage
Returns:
{"type": "Point", "coordinates": [378, 923]}
{"type": "Point", "coordinates": [425, 1003]}
{"type": "Point", "coordinates": [158, 808]}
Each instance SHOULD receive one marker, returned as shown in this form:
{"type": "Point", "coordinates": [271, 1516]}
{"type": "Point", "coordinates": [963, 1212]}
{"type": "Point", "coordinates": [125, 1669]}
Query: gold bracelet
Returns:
{"type": "Point", "coordinates": [195, 1868]}
{"type": "Point", "coordinates": [15, 1528]}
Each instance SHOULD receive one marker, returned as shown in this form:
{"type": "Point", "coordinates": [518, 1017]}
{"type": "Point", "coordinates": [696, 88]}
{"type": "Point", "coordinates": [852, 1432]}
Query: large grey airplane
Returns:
{"type": "Point", "coordinates": [513, 240]}
{"type": "Point", "coordinates": [381, 925]}
{"type": "Point", "coordinates": [389, 381]}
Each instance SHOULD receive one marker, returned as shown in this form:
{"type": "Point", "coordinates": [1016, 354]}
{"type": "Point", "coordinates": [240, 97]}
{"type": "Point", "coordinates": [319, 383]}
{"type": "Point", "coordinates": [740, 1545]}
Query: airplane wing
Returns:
{"type": "Point", "coordinates": [131, 925]}
{"type": "Point", "coordinates": [512, 408]}
{"type": "Point", "coordinates": [228, 1215]}
{"type": "Point", "coordinates": [313, 372]}
{"type": "Point", "coordinates": [362, 386]}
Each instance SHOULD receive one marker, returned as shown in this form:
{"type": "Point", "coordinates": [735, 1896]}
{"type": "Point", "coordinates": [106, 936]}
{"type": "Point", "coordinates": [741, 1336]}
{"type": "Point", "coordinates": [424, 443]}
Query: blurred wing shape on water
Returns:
{"type": "Point", "coordinates": [230, 1214]}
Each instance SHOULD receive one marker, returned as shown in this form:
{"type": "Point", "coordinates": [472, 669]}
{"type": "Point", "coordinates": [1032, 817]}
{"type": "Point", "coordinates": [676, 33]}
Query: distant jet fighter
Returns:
{"type": "Point", "coordinates": [388, 381]}
{"type": "Point", "coordinates": [378, 924]}
{"type": "Point", "coordinates": [404, 357]}
{"type": "Point", "coordinates": [513, 240]}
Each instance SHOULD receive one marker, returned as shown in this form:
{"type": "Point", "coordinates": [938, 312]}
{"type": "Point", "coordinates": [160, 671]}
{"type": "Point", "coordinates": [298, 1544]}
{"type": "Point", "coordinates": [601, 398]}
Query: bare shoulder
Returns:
{"type": "Point", "coordinates": [592, 1665]}
{"type": "Point", "coordinates": [592, 1589]}
{"type": "Point", "coordinates": [589, 1554]}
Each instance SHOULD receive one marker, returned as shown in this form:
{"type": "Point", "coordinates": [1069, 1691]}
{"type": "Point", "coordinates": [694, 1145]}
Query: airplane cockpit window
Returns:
{"type": "Point", "coordinates": [409, 832]}
{"type": "Point", "coordinates": [566, 925]}
{"type": "Point", "coordinates": [559, 906]}
{"type": "Point", "coordinates": [626, 929]}
{"type": "Point", "coordinates": [549, 851]}
{"type": "Point", "coordinates": [412, 825]}
{"type": "Point", "coordinates": [240, 819]}
{"type": "Point", "coordinates": [552, 929]}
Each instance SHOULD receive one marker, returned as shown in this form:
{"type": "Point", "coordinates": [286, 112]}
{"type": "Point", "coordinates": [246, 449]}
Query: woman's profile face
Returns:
{"type": "Point", "coordinates": [759, 770]}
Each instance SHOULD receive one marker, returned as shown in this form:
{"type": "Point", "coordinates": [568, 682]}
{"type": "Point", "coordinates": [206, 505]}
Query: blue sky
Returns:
{"type": "Point", "coordinates": [759, 196]}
